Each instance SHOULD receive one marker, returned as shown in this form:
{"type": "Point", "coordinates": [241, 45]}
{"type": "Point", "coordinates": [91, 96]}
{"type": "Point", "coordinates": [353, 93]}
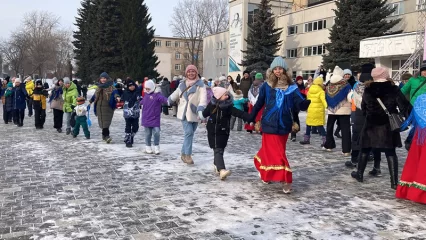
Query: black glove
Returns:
{"type": "Point", "coordinates": [72, 107]}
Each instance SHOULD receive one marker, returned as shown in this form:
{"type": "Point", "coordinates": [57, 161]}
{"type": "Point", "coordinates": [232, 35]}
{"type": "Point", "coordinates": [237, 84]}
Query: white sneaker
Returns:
{"type": "Point", "coordinates": [148, 149]}
{"type": "Point", "coordinates": [223, 174]}
{"type": "Point", "coordinates": [157, 149]}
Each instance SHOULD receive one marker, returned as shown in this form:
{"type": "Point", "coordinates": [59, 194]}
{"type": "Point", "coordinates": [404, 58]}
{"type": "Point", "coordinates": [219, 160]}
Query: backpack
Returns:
{"type": "Point", "coordinates": [131, 112]}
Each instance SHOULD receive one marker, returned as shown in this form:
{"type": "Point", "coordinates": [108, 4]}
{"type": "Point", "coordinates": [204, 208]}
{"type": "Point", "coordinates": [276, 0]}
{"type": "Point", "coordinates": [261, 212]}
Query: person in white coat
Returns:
{"type": "Point", "coordinates": [338, 97]}
{"type": "Point", "coordinates": [191, 98]}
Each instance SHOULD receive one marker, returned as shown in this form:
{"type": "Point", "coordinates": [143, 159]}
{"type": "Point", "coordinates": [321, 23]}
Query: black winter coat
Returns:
{"type": "Point", "coordinates": [377, 132]}
{"type": "Point", "coordinates": [131, 96]}
{"type": "Point", "coordinates": [218, 123]}
{"type": "Point", "coordinates": [358, 124]}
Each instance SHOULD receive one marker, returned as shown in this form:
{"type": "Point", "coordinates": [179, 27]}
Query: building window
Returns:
{"type": "Point", "coordinates": [395, 6]}
{"type": "Point", "coordinates": [168, 43]}
{"type": "Point", "coordinates": [292, 53]}
{"type": "Point", "coordinates": [306, 74]}
{"type": "Point", "coordinates": [294, 75]}
{"type": "Point", "coordinates": [292, 30]}
{"type": "Point", "coordinates": [178, 67]}
{"type": "Point", "coordinates": [221, 45]}
{"type": "Point", "coordinates": [314, 50]}
{"type": "Point", "coordinates": [224, 44]}
{"type": "Point", "coordinates": [217, 62]}
{"type": "Point", "coordinates": [217, 45]}
{"type": "Point", "coordinates": [420, 4]}
{"type": "Point", "coordinates": [397, 64]}
{"type": "Point", "coordinates": [177, 44]}
{"type": "Point", "coordinates": [157, 43]}
{"type": "Point", "coordinates": [177, 55]}
{"type": "Point", "coordinates": [315, 26]}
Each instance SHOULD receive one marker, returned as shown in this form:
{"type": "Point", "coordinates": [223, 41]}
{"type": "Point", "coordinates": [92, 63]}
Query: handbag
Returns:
{"type": "Point", "coordinates": [395, 119]}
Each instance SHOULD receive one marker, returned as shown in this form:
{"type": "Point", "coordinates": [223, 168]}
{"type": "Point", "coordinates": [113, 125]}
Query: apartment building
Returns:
{"type": "Point", "coordinates": [306, 25]}
{"type": "Point", "coordinates": [174, 55]}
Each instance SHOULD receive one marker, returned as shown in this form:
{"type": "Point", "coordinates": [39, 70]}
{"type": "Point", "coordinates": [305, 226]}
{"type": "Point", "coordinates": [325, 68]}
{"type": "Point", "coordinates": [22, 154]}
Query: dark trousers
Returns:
{"type": "Point", "coordinates": [132, 125]}
{"type": "Point", "coordinates": [105, 132]}
{"type": "Point", "coordinates": [389, 152]}
{"type": "Point", "coordinates": [219, 162]}
{"type": "Point", "coordinates": [355, 156]}
{"type": "Point", "coordinates": [7, 115]}
{"type": "Point", "coordinates": [19, 116]}
{"type": "Point", "coordinates": [320, 129]}
{"type": "Point", "coordinates": [30, 107]}
{"type": "Point", "coordinates": [39, 117]}
{"type": "Point", "coordinates": [58, 118]}
{"type": "Point", "coordinates": [81, 121]}
{"type": "Point", "coordinates": [344, 121]}
{"type": "Point", "coordinates": [165, 110]}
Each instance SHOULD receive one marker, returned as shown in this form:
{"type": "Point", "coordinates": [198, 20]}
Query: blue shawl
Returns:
{"type": "Point", "coordinates": [283, 102]}
{"type": "Point", "coordinates": [418, 119]}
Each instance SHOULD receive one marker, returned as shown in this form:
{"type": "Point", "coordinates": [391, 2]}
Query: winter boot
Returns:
{"type": "Point", "coordinates": [68, 131]}
{"type": "Point", "coordinates": [362, 164]}
{"type": "Point", "coordinates": [287, 188]}
{"type": "Point", "coordinates": [59, 130]}
{"type": "Point", "coordinates": [188, 160]}
{"type": "Point", "coordinates": [393, 170]}
{"type": "Point", "coordinates": [376, 172]}
{"type": "Point", "coordinates": [132, 138]}
{"type": "Point", "coordinates": [128, 140]}
{"type": "Point", "coordinates": [293, 137]}
{"type": "Point", "coordinates": [108, 139]}
{"type": "Point", "coordinates": [223, 174]}
{"type": "Point", "coordinates": [157, 150]}
{"type": "Point", "coordinates": [148, 149]}
{"type": "Point", "coordinates": [306, 140]}
{"type": "Point", "coordinates": [354, 159]}
{"type": "Point", "coordinates": [183, 157]}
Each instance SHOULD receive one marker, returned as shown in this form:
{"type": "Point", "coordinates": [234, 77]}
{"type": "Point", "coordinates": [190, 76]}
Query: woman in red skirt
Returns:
{"type": "Point", "coordinates": [253, 94]}
{"type": "Point", "coordinates": [280, 97]}
{"type": "Point", "coordinates": [412, 185]}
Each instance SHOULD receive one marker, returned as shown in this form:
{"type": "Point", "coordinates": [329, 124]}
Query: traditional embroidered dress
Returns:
{"type": "Point", "coordinates": [271, 160]}
{"type": "Point", "coordinates": [412, 185]}
{"type": "Point", "coordinates": [252, 96]}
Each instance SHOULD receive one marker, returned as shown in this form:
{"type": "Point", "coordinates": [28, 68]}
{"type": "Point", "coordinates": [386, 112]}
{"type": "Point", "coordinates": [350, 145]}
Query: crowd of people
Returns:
{"type": "Point", "coordinates": [365, 109]}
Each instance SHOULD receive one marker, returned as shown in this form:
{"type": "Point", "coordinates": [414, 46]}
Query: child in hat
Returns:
{"type": "Point", "coordinates": [151, 116]}
{"type": "Point", "coordinates": [131, 111]}
{"type": "Point", "coordinates": [219, 111]}
{"type": "Point", "coordinates": [239, 103]}
{"type": "Point", "coordinates": [39, 104]}
{"type": "Point", "coordinates": [81, 119]}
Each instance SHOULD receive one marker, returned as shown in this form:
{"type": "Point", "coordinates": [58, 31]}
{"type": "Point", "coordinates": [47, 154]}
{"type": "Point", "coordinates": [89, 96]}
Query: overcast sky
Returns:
{"type": "Point", "coordinates": [11, 12]}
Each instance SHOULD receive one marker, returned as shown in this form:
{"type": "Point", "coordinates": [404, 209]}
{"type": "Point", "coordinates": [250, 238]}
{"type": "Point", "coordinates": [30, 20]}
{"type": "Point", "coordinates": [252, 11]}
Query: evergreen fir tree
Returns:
{"type": "Point", "coordinates": [138, 44]}
{"type": "Point", "coordinates": [356, 20]}
{"type": "Point", "coordinates": [263, 40]}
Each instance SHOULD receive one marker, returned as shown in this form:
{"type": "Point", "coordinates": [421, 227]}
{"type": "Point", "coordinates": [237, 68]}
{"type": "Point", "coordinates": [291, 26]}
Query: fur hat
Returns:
{"type": "Point", "coordinates": [151, 85]}
{"type": "Point", "coordinates": [380, 73]}
{"type": "Point", "coordinates": [347, 71]}
{"type": "Point", "coordinates": [258, 76]}
{"type": "Point", "coordinates": [337, 75]}
{"type": "Point", "coordinates": [104, 75]}
{"type": "Point", "coordinates": [218, 92]}
{"type": "Point", "coordinates": [191, 67]}
{"type": "Point", "coordinates": [279, 62]}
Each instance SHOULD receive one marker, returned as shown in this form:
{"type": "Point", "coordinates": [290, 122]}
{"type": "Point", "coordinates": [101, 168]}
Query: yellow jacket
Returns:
{"type": "Point", "coordinates": [29, 86]}
{"type": "Point", "coordinates": [39, 101]}
{"type": "Point", "coordinates": [316, 110]}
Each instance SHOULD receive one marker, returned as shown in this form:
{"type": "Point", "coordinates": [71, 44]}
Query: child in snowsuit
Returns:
{"type": "Point", "coordinates": [19, 95]}
{"type": "Point", "coordinates": [151, 115]}
{"type": "Point", "coordinates": [131, 111]}
{"type": "Point", "coordinates": [8, 103]}
{"type": "Point", "coordinates": [239, 103]}
{"type": "Point", "coordinates": [80, 118]}
{"type": "Point", "coordinates": [219, 111]}
{"type": "Point", "coordinates": [39, 104]}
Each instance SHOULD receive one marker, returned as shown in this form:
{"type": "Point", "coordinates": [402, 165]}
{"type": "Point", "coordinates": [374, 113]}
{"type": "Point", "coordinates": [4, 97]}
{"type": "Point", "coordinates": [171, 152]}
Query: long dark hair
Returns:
{"type": "Point", "coordinates": [274, 79]}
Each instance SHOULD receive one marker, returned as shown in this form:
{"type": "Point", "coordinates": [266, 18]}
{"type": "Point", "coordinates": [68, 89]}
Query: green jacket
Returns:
{"type": "Point", "coordinates": [412, 85]}
{"type": "Point", "coordinates": [70, 97]}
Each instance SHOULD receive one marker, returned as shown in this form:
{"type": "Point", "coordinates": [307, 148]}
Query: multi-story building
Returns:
{"type": "Point", "coordinates": [174, 55]}
{"type": "Point", "coordinates": [306, 27]}
{"type": "Point", "coordinates": [215, 55]}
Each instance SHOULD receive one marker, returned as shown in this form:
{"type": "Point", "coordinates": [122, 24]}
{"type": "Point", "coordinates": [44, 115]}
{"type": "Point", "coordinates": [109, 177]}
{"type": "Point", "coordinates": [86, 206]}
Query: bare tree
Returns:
{"type": "Point", "coordinates": [215, 15]}
{"type": "Point", "coordinates": [13, 51]}
{"type": "Point", "coordinates": [64, 53]}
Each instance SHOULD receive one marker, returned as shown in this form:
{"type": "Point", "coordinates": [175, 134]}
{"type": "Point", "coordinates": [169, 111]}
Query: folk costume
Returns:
{"type": "Point", "coordinates": [253, 94]}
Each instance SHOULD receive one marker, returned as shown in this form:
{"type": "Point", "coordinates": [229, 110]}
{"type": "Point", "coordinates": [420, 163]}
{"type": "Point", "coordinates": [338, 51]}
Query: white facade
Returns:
{"type": "Point", "coordinates": [215, 49]}
{"type": "Point", "coordinates": [164, 68]}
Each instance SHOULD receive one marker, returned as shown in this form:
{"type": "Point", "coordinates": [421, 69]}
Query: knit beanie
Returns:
{"type": "Point", "coordinates": [218, 92]}
{"type": "Point", "coordinates": [299, 78]}
{"type": "Point", "coordinates": [67, 80]}
{"type": "Point", "coordinates": [38, 83]}
{"type": "Point", "coordinates": [279, 62]}
{"type": "Point", "coordinates": [104, 75]}
{"type": "Point", "coordinates": [191, 67]}
{"type": "Point", "coordinates": [130, 83]}
{"type": "Point", "coordinates": [7, 78]}
{"type": "Point", "coordinates": [347, 71]}
{"type": "Point", "coordinates": [222, 78]}
{"type": "Point", "coordinates": [380, 73]}
{"type": "Point", "coordinates": [151, 85]}
{"type": "Point", "coordinates": [9, 84]}
{"type": "Point", "coordinates": [258, 76]}
{"type": "Point", "coordinates": [17, 80]}
{"type": "Point", "coordinates": [366, 72]}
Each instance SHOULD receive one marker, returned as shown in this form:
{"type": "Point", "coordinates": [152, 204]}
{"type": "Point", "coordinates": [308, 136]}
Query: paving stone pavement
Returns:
{"type": "Point", "coordinates": [55, 187]}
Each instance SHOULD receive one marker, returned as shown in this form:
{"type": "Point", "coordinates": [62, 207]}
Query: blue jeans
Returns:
{"type": "Point", "coordinates": [321, 130]}
{"type": "Point", "coordinates": [189, 129]}
{"type": "Point", "coordinates": [149, 131]}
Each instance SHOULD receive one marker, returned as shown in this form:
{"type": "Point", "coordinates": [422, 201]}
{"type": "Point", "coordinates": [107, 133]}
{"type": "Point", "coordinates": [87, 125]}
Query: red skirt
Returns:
{"type": "Point", "coordinates": [257, 120]}
{"type": "Point", "coordinates": [271, 161]}
{"type": "Point", "coordinates": [412, 185]}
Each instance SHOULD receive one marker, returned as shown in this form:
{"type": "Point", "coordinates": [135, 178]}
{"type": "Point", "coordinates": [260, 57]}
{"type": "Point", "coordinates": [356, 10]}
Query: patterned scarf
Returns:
{"type": "Point", "coordinates": [255, 87]}
{"type": "Point", "coordinates": [337, 94]}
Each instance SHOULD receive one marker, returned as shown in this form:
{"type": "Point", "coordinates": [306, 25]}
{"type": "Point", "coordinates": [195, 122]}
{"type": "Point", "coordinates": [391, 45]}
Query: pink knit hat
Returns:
{"type": "Point", "coordinates": [218, 92]}
{"type": "Point", "coordinates": [380, 73]}
{"type": "Point", "coordinates": [191, 67]}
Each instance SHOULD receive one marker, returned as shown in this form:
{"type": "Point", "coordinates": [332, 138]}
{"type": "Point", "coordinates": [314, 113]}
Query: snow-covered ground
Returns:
{"type": "Point", "coordinates": [57, 187]}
